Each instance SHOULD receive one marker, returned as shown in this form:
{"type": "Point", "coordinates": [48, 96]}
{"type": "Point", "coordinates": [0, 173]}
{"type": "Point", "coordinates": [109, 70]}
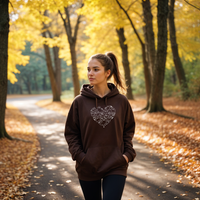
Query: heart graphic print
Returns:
{"type": "Point", "coordinates": [103, 116]}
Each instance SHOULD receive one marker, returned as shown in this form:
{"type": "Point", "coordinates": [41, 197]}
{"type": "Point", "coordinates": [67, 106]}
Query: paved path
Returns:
{"type": "Point", "coordinates": [54, 176]}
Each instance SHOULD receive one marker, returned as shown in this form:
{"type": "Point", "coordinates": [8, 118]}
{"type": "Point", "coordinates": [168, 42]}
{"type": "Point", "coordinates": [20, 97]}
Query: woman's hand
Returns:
{"type": "Point", "coordinates": [126, 158]}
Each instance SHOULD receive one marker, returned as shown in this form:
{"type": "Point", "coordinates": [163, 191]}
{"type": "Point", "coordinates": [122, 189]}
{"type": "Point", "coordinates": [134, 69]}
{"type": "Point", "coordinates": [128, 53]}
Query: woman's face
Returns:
{"type": "Point", "coordinates": [96, 73]}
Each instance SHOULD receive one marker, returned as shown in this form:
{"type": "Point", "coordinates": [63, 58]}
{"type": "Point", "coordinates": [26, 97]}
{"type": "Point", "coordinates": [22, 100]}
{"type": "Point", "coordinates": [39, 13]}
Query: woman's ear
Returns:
{"type": "Point", "coordinates": [108, 73]}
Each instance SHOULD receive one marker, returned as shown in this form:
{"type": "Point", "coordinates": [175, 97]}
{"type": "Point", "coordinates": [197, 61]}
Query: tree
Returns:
{"type": "Point", "coordinates": [174, 46]}
{"type": "Point", "coordinates": [155, 101]}
{"type": "Point", "coordinates": [54, 88]}
{"type": "Point", "coordinates": [54, 72]}
{"type": "Point", "coordinates": [125, 61]}
{"type": "Point", "coordinates": [144, 54]}
{"type": "Point", "coordinates": [112, 37]}
{"type": "Point", "coordinates": [4, 30]}
{"type": "Point", "coordinates": [72, 39]}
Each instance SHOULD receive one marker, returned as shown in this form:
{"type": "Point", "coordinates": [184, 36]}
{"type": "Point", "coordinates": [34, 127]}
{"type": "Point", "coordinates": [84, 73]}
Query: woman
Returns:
{"type": "Point", "coordinates": [99, 131]}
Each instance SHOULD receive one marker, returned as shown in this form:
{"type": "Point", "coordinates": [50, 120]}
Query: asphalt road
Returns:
{"type": "Point", "coordinates": [54, 175]}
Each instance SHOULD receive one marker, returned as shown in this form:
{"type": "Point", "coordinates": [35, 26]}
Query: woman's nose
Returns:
{"type": "Point", "coordinates": [90, 72]}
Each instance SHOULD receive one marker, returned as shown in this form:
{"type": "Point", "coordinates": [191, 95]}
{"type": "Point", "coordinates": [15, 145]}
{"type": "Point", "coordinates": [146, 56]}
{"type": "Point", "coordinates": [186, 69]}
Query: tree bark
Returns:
{"type": "Point", "coordinates": [177, 61]}
{"type": "Point", "coordinates": [149, 34]}
{"type": "Point", "coordinates": [54, 88]}
{"type": "Point", "coordinates": [4, 30]}
{"type": "Point", "coordinates": [144, 57]}
{"type": "Point", "coordinates": [75, 76]}
{"type": "Point", "coordinates": [72, 38]}
{"type": "Point", "coordinates": [57, 64]}
{"type": "Point", "coordinates": [125, 61]}
{"type": "Point", "coordinates": [155, 103]}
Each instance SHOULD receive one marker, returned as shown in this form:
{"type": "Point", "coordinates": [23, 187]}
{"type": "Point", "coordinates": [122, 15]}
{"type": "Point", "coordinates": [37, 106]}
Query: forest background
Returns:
{"type": "Point", "coordinates": [50, 43]}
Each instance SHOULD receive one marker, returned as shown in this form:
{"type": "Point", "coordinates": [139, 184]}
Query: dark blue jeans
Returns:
{"type": "Point", "coordinates": [113, 186]}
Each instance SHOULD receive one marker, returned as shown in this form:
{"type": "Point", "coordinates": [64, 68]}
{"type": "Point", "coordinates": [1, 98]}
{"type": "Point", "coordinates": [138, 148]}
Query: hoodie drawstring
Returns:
{"type": "Point", "coordinates": [106, 101]}
{"type": "Point", "coordinates": [96, 102]}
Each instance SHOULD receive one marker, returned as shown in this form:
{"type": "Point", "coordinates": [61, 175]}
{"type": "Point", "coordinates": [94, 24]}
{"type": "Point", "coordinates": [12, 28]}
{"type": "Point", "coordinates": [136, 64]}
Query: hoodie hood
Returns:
{"type": "Point", "coordinates": [86, 90]}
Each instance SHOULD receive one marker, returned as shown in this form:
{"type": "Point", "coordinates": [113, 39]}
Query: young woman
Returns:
{"type": "Point", "coordinates": [99, 131]}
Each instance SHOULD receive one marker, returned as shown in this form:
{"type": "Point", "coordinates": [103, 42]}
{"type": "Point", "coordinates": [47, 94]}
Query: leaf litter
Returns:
{"type": "Point", "coordinates": [17, 157]}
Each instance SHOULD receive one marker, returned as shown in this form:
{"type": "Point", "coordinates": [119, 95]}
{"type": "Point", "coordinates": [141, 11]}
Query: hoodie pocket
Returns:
{"type": "Point", "coordinates": [85, 166]}
{"type": "Point", "coordinates": [101, 160]}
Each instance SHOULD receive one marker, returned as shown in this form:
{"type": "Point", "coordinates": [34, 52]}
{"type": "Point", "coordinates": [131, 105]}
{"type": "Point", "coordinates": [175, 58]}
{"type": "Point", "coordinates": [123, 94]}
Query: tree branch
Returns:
{"type": "Point", "coordinates": [131, 23]}
{"type": "Point", "coordinates": [77, 24]}
{"type": "Point", "coordinates": [131, 5]}
{"type": "Point", "coordinates": [66, 27]}
{"type": "Point", "coordinates": [192, 5]}
{"type": "Point", "coordinates": [76, 27]}
{"type": "Point", "coordinates": [68, 21]}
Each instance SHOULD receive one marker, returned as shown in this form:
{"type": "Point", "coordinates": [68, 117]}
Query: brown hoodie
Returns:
{"type": "Point", "coordinates": [99, 131]}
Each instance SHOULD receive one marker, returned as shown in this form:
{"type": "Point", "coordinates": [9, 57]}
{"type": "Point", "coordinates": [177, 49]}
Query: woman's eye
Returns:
{"type": "Point", "coordinates": [96, 70]}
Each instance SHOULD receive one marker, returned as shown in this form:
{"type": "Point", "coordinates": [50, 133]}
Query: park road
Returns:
{"type": "Point", "coordinates": [54, 176]}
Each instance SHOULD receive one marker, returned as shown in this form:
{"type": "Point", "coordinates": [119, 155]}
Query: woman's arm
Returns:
{"type": "Point", "coordinates": [73, 134]}
{"type": "Point", "coordinates": [129, 130]}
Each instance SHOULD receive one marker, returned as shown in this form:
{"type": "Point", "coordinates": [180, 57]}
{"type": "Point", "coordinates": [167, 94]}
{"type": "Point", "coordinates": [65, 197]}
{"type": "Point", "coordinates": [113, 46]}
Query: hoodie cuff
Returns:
{"type": "Point", "coordinates": [80, 157]}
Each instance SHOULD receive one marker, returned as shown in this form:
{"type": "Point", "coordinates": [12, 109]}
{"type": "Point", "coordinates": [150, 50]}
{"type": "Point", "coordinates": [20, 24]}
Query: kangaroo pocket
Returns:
{"type": "Point", "coordinates": [101, 160]}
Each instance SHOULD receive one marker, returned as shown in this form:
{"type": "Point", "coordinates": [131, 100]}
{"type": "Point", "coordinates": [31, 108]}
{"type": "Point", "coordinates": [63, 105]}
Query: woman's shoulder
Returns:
{"type": "Point", "coordinates": [122, 97]}
{"type": "Point", "coordinates": [77, 98]}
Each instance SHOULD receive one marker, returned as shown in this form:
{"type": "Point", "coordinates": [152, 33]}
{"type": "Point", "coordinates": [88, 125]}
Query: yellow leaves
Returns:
{"type": "Point", "coordinates": [15, 44]}
{"type": "Point", "coordinates": [17, 157]}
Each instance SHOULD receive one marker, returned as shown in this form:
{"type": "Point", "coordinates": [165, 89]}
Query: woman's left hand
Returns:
{"type": "Point", "coordinates": [126, 158]}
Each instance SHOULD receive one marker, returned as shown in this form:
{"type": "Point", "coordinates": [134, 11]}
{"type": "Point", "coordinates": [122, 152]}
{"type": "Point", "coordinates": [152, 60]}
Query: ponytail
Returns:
{"type": "Point", "coordinates": [118, 79]}
{"type": "Point", "coordinates": [109, 61]}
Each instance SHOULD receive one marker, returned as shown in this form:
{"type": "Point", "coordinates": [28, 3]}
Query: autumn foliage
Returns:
{"type": "Point", "coordinates": [17, 156]}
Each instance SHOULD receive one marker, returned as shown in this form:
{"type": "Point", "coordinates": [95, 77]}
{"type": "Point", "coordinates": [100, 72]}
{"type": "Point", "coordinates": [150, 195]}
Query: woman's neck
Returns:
{"type": "Point", "coordinates": [101, 91]}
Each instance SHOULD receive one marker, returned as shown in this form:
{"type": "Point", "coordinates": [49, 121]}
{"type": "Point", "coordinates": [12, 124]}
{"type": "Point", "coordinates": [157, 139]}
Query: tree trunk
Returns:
{"type": "Point", "coordinates": [57, 64]}
{"type": "Point", "coordinates": [4, 30]}
{"type": "Point", "coordinates": [144, 57]}
{"type": "Point", "coordinates": [149, 34]}
{"type": "Point", "coordinates": [125, 61]}
{"type": "Point", "coordinates": [177, 61]}
{"type": "Point", "coordinates": [56, 94]}
{"type": "Point", "coordinates": [72, 38]}
{"type": "Point", "coordinates": [74, 70]}
{"type": "Point", "coordinates": [155, 103]}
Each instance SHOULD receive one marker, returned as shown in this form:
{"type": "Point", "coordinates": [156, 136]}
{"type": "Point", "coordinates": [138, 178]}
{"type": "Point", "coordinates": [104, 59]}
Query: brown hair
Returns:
{"type": "Point", "coordinates": [109, 62]}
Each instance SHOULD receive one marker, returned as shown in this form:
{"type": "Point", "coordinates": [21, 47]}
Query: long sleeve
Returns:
{"type": "Point", "coordinates": [73, 134]}
{"type": "Point", "coordinates": [129, 130]}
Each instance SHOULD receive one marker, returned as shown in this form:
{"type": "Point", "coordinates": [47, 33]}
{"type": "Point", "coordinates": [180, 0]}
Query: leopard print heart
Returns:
{"type": "Point", "coordinates": [103, 116]}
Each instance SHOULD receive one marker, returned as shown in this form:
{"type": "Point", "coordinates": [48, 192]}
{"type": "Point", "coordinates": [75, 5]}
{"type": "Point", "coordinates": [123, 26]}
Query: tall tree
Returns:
{"type": "Point", "coordinates": [54, 87]}
{"type": "Point", "coordinates": [149, 34]}
{"type": "Point", "coordinates": [125, 61]}
{"type": "Point", "coordinates": [72, 39]}
{"type": "Point", "coordinates": [54, 72]}
{"type": "Point", "coordinates": [155, 101]}
{"type": "Point", "coordinates": [147, 73]}
{"type": "Point", "coordinates": [174, 46]}
{"type": "Point", "coordinates": [4, 30]}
